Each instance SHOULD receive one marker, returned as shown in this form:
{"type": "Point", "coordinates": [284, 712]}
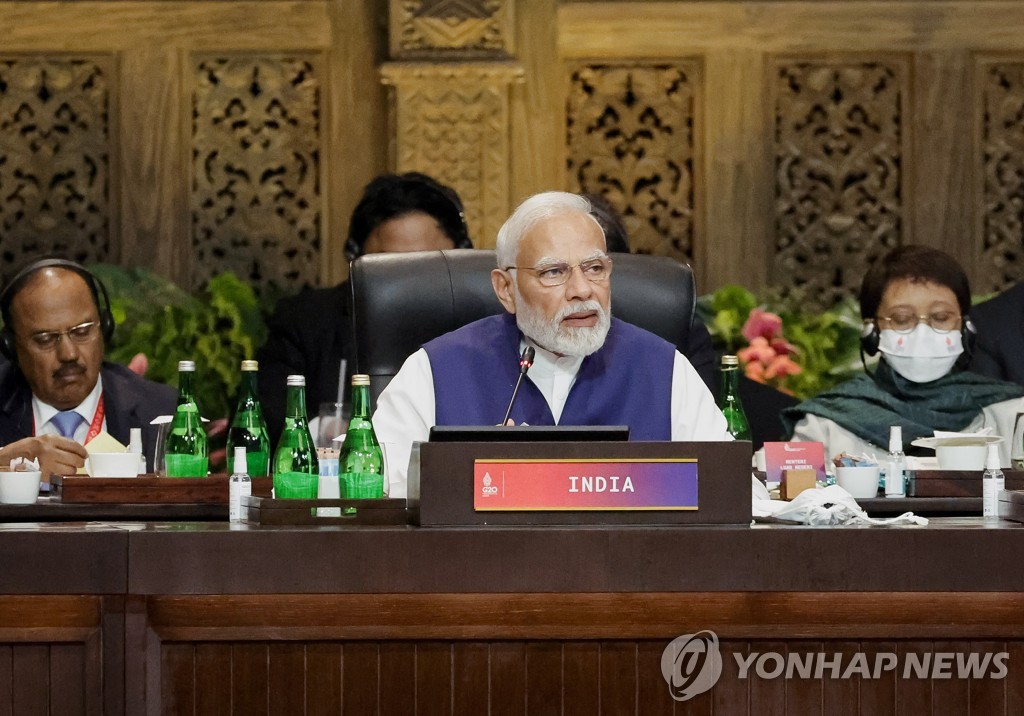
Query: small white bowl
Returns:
{"type": "Point", "coordinates": [19, 488]}
{"type": "Point", "coordinates": [961, 457]}
{"type": "Point", "coordinates": [112, 464]}
{"type": "Point", "coordinates": [859, 481]}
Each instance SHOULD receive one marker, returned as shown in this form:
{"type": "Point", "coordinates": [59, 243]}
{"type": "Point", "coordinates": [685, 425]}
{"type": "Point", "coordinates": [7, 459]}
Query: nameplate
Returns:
{"type": "Point", "coordinates": [596, 485]}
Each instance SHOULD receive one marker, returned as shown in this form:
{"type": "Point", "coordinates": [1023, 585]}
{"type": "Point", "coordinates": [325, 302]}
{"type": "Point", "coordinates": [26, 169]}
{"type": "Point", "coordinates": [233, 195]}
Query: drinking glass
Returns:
{"type": "Point", "coordinates": [160, 449]}
{"type": "Point", "coordinates": [1017, 446]}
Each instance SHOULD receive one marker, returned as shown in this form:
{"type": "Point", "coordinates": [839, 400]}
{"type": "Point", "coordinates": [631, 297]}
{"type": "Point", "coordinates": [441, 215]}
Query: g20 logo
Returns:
{"type": "Point", "coordinates": [488, 489]}
{"type": "Point", "coordinates": [691, 664]}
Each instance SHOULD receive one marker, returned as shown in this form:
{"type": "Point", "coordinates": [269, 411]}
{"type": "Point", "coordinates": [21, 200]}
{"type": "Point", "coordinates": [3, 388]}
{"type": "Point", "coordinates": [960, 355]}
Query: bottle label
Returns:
{"type": "Point", "coordinates": [295, 486]}
{"type": "Point", "coordinates": [238, 490]}
{"type": "Point", "coordinates": [990, 489]}
{"type": "Point", "coordinates": [894, 480]}
{"type": "Point", "coordinates": [362, 485]}
{"type": "Point", "coordinates": [186, 465]}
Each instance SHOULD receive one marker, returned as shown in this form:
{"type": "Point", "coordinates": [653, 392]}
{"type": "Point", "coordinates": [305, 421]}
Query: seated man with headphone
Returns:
{"type": "Point", "coordinates": [57, 393]}
{"type": "Point", "coordinates": [914, 304]}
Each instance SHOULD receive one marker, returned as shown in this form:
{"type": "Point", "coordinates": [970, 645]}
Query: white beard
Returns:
{"type": "Point", "coordinates": [564, 340]}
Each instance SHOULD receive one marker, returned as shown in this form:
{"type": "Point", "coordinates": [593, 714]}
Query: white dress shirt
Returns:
{"type": "Point", "coordinates": [43, 412]}
{"type": "Point", "coordinates": [405, 410]}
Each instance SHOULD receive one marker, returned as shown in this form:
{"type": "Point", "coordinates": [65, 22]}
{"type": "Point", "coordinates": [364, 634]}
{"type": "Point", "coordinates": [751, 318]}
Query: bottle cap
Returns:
{"type": "Point", "coordinates": [730, 360]}
{"type": "Point", "coordinates": [992, 457]}
{"type": "Point", "coordinates": [186, 366]}
{"type": "Point", "coordinates": [250, 365]}
{"type": "Point", "coordinates": [896, 438]}
{"type": "Point", "coordinates": [360, 379]}
{"type": "Point", "coordinates": [135, 440]}
{"type": "Point", "coordinates": [294, 380]}
{"type": "Point", "coordinates": [241, 462]}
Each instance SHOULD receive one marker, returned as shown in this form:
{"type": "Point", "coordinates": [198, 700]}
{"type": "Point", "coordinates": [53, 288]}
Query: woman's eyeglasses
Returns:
{"type": "Point", "coordinates": [906, 321]}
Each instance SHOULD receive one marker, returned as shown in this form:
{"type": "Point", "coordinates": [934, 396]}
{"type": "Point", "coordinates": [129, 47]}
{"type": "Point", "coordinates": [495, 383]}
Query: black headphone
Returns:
{"type": "Point", "coordinates": [444, 195]}
{"type": "Point", "coordinates": [14, 286]}
{"type": "Point", "coordinates": [870, 337]}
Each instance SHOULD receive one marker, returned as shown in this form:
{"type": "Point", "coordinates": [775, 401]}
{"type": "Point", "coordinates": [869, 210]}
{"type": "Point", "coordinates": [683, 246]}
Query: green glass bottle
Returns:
{"type": "Point", "coordinates": [729, 400]}
{"type": "Point", "coordinates": [185, 451]}
{"type": "Point", "coordinates": [361, 461]}
{"type": "Point", "coordinates": [248, 428]}
{"type": "Point", "coordinates": [296, 468]}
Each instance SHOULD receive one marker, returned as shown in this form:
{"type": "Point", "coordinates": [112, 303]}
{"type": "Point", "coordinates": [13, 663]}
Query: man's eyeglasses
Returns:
{"type": "Point", "coordinates": [594, 270]}
{"type": "Point", "coordinates": [48, 340]}
{"type": "Point", "coordinates": [906, 321]}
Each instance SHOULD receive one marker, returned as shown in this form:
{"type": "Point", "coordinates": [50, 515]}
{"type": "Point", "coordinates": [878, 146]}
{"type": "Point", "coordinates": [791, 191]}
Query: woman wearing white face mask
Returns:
{"type": "Point", "coordinates": [914, 305]}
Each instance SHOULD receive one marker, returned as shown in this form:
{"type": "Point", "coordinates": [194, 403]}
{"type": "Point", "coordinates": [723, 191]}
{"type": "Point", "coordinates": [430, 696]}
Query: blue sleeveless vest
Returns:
{"type": "Point", "coordinates": [627, 382]}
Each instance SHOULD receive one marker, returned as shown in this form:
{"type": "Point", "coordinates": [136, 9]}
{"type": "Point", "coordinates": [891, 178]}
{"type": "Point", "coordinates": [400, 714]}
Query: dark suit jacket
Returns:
{"type": "Point", "coordinates": [308, 335]}
{"type": "Point", "coordinates": [129, 402]}
{"type": "Point", "coordinates": [1000, 341]}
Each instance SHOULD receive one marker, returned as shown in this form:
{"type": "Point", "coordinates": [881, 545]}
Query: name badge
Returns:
{"type": "Point", "coordinates": [610, 485]}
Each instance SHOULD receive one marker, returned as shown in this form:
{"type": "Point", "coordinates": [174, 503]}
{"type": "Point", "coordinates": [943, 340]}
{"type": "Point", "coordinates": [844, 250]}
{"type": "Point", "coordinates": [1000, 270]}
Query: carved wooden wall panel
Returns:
{"type": "Point", "coordinates": [1002, 154]}
{"type": "Point", "coordinates": [830, 132]}
{"type": "Point", "coordinates": [256, 199]}
{"type": "Point", "coordinates": [839, 130]}
{"type": "Point", "coordinates": [452, 122]}
{"type": "Point", "coordinates": [56, 151]}
{"type": "Point", "coordinates": [631, 139]}
{"type": "Point", "coordinates": [434, 28]}
{"type": "Point", "coordinates": [193, 137]}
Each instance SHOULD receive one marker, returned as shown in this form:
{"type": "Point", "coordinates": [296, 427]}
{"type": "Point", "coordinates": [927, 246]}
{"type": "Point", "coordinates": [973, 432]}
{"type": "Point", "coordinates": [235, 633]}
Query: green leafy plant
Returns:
{"type": "Point", "coordinates": [783, 344]}
{"type": "Point", "coordinates": [218, 327]}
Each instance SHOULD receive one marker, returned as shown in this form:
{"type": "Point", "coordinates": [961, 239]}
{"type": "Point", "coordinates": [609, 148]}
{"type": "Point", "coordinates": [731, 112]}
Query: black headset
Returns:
{"type": "Point", "coordinates": [870, 336]}
{"type": "Point", "coordinates": [14, 286]}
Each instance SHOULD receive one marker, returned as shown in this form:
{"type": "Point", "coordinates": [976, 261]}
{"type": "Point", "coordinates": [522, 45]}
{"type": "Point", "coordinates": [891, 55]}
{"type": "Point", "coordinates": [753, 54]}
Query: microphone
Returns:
{"type": "Point", "coordinates": [525, 361]}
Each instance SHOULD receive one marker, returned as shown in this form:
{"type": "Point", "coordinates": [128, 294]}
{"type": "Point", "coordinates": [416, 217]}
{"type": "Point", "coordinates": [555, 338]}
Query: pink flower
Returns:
{"type": "Point", "coordinates": [780, 367]}
{"type": "Point", "coordinates": [759, 351]}
{"type": "Point", "coordinates": [762, 324]}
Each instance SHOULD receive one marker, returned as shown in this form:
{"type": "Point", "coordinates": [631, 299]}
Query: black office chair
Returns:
{"type": "Point", "coordinates": [402, 300]}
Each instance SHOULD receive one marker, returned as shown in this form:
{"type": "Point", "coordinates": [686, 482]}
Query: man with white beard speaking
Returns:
{"type": "Point", "coordinates": [553, 278]}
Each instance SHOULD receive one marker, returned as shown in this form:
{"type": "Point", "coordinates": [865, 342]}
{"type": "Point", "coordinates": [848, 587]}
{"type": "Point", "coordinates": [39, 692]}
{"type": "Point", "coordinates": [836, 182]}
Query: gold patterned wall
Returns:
{"type": "Point", "coordinates": [56, 152]}
{"type": "Point", "coordinates": [1002, 154]}
{"type": "Point", "coordinates": [631, 139]}
{"type": "Point", "coordinates": [771, 144]}
{"type": "Point", "coordinates": [838, 143]}
{"type": "Point", "coordinates": [190, 138]}
{"type": "Point", "coordinates": [256, 198]}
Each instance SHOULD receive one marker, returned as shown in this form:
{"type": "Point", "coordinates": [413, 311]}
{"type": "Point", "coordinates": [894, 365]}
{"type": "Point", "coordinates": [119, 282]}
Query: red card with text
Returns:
{"type": "Point", "coordinates": [793, 456]}
{"type": "Point", "coordinates": [634, 484]}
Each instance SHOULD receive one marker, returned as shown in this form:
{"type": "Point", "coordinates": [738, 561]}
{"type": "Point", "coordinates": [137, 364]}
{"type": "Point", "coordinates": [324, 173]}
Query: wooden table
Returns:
{"type": "Point", "coordinates": [218, 618]}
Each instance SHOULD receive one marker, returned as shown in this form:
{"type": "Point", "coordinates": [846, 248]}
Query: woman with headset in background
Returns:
{"type": "Point", "coordinates": [914, 304]}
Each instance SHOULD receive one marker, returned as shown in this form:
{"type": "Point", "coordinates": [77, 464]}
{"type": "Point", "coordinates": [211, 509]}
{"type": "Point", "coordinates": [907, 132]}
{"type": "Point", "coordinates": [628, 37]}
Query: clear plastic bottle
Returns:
{"type": "Point", "coordinates": [895, 465]}
{"type": "Point", "coordinates": [992, 483]}
{"type": "Point", "coordinates": [135, 446]}
{"type": "Point", "coordinates": [239, 486]}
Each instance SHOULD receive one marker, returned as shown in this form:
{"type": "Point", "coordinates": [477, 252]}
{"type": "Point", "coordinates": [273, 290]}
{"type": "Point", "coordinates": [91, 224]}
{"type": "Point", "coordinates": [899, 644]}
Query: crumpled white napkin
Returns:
{"type": "Point", "coordinates": [23, 464]}
{"type": "Point", "coordinates": [830, 505]}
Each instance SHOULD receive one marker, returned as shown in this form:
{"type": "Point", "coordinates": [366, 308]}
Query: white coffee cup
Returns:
{"type": "Point", "coordinates": [859, 481]}
{"type": "Point", "coordinates": [19, 488]}
{"type": "Point", "coordinates": [961, 457]}
{"type": "Point", "coordinates": [112, 464]}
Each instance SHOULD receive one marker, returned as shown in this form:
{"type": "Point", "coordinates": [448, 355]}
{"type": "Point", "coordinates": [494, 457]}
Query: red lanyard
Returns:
{"type": "Point", "coordinates": [97, 420]}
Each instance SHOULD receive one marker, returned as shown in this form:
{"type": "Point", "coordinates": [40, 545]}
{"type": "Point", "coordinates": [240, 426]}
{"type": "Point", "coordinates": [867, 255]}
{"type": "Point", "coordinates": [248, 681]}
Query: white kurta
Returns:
{"type": "Point", "coordinates": [405, 410]}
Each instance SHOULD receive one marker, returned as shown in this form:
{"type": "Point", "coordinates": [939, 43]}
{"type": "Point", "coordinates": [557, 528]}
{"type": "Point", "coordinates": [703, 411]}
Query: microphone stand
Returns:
{"type": "Point", "coordinates": [525, 361]}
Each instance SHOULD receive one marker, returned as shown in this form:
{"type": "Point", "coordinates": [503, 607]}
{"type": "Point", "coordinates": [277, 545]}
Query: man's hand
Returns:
{"type": "Point", "coordinates": [57, 455]}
